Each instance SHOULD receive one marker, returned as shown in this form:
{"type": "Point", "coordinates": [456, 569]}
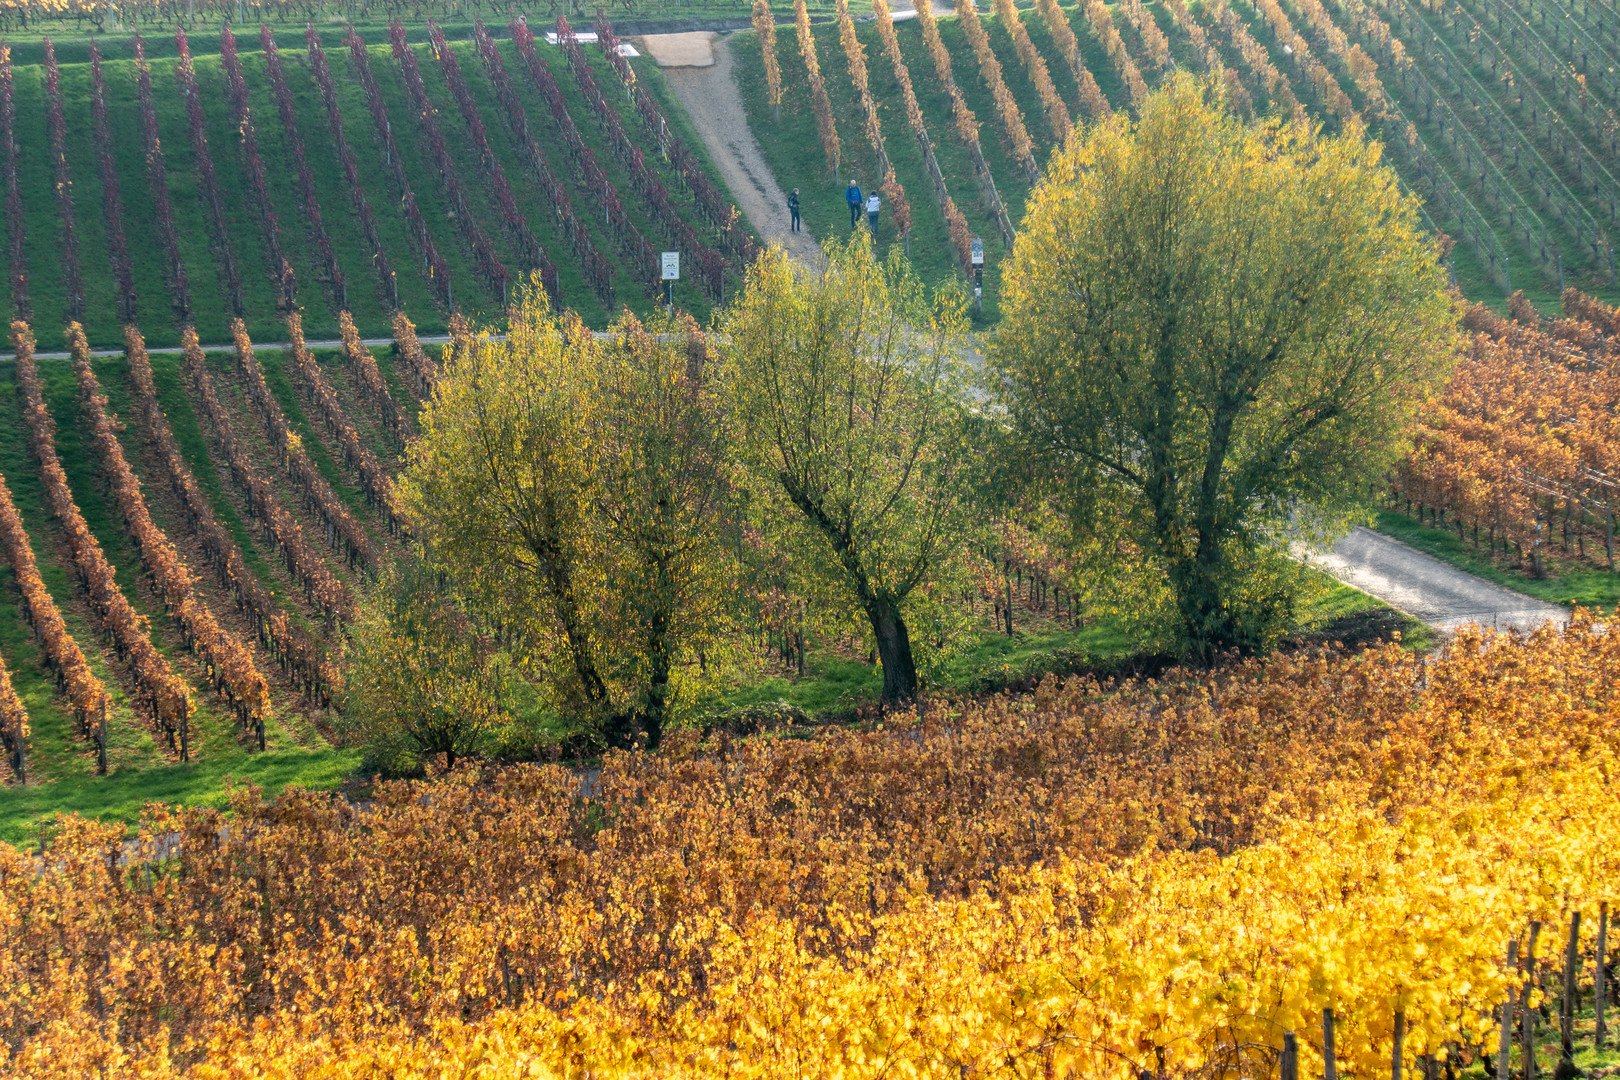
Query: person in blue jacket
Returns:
{"type": "Point", "coordinates": [852, 195]}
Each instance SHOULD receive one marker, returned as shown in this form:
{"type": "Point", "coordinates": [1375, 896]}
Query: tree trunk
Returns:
{"type": "Point", "coordinates": [894, 650]}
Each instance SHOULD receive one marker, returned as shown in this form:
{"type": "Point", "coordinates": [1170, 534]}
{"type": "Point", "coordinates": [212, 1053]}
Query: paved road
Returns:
{"type": "Point", "coordinates": [1428, 589]}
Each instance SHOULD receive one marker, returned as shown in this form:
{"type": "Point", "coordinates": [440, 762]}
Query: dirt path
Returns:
{"type": "Point", "coordinates": [711, 98]}
{"type": "Point", "coordinates": [1428, 589]}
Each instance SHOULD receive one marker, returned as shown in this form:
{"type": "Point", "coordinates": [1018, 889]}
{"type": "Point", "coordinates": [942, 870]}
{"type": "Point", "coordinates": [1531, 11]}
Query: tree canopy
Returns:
{"type": "Point", "coordinates": [847, 389]}
{"type": "Point", "coordinates": [576, 491]}
{"type": "Point", "coordinates": [1213, 333]}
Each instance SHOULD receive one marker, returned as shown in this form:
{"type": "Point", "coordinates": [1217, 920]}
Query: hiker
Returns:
{"type": "Point", "coordinates": [873, 204]}
{"type": "Point", "coordinates": [852, 195]}
{"type": "Point", "coordinates": [793, 208]}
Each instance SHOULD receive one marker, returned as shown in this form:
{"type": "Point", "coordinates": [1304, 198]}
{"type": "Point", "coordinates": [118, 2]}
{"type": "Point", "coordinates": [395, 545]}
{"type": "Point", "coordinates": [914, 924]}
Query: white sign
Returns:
{"type": "Point", "coordinates": [978, 252]}
{"type": "Point", "coordinates": [671, 266]}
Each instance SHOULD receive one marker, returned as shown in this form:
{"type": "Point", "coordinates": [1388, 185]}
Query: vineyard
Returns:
{"type": "Point", "coordinates": [1502, 118]}
{"type": "Point", "coordinates": [1372, 865]}
{"type": "Point", "coordinates": [188, 179]}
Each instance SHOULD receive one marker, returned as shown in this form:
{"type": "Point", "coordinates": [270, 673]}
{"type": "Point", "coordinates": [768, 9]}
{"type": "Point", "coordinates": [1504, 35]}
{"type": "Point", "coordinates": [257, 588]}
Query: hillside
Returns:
{"type": "Point", "coordinates": [1502, 126]}
{"type": "Point", "coordinates": [461, 246]}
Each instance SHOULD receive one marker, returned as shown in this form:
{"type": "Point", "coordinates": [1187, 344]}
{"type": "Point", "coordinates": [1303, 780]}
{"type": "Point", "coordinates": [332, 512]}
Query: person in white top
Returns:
{"type": "Point", "coordinates": [873, 204]}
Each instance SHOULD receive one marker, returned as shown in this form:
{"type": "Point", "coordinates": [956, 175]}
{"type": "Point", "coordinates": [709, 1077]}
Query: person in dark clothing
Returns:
{"type": "Point", "coordinates": [793, 208]}
{"type": "Point", "coordinates": [852, 195]}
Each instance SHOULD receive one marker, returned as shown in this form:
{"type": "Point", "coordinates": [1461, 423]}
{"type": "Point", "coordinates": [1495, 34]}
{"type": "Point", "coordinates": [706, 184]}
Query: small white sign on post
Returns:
{"type": "Point", "coordinates": [978, 252]}
{"type": "Point", "coordinates": [671, 266]}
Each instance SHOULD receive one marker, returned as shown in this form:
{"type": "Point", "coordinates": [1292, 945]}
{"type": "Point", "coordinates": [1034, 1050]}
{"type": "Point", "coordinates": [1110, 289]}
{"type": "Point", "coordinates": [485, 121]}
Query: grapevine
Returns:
{"type": "Point", "coordinates": [765, 27]}
{"type": "Point", "coordinates": [368, 380]}
{"type": "Point", "coordinates": [961, 235]}
{"type": "Point", "coordinates": [85, 694]}
{"type": "Point", "coordinates": [388, 285]}
{"type": "Point", "coordinates": [20, 304]}
{"type": "Point", "coordinates": [596, 270]}
{"type": "Point", "coordinates": [230, 278]}
{"type": "Point", "coordinates": [378, 489]}
{"type": "Point", "coordinates": [342, 531]}
{"type": "Point", "coordinates": [228, 663]}
{"type": "Point", "coordinates": [967, 125]}
{"type": "Point", "coordinates": [517, 225]}
{"type": "Point", "coordinates": [112, 203]}
{"type": "Point", "coordinates": [496, 275]}
{"type": "Point", "coordinates": [1152, 37]}
{"type": "Point", "coordinates": [157, 177]}
{"type": "Point", "coordinates": [1012, 118]}
{"type": "Point", "coordinates": [13, 727]}
{"type": "Point", "coordinates": [165, 696]}
{"type": "Point", "coordinates": [1057, 23]}
{"type": "Point", "coordinates": [306, 179]}
{"type": "Point", "coordinates": [421, 372]}
{"type": "Point", "coordinates": [73, 279]}
{"type": "Point", "coordinates": [1102, 24]}
{"type": "Point", "coordinates": [626, 236]}
{"type": "Point", "coordinates": [298, 657]}
{"type": "Point", "coordinates": [434, 267]}
{"type": "Point", "coordinates": [276, 264]}
{"type": "Point", "coordinates": [1057, 114]}
{"type": "Point", "coordinates": [818, 86]}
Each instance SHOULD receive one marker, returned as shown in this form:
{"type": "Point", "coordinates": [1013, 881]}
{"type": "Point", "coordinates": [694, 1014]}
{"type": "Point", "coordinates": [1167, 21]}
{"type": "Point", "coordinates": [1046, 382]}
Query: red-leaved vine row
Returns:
{"type": "Point", "coordinates": [1057, 24]}
{"type": "Point", "coordinates": [13, 727]}
{"type": "Point", "coordinates": [71, 277]}
{"type": "Point", "coordinates": [485, 258]}
{"type": "Point", "coordinates": [378, 488]}
{"type": "Point", "coordinates": [85, 694]}
{"type": "Point", "coordinates": [112, 201]}
{"type": "Point", "coordinates": [306, 179]}
{"type": "Point", "coordinates": [275, 262]}
{"type": "Point", "coordinates": [1057, 114]}
{"type": "Point", "coordinates": [292, 649]}
{"type": "Point", "coordinates": [230, 278]}
{"type": "Point", "coordinates": [421, 372]}
{"type": "Point", "coordinates": [625, 235]}
{"type": "Point", "coordinates": [164, 694]}
{"type": "Point", "coordinates": [280, 529]}
{"type": "Point", "coordinates": [343, 532]}
{"type": "Point", "coordinates": [14, 213]}
{"type": "Point", "coordinates": [517, 226]}
{"type": "Point", "coordinates": [598, 273]}
{"type": "Point", "coordinates": [227, 661]}
{"type": "Point", "coordinates": [721, 214]}
{"type": "Point", "coordinates": [368, 381]}
{"type": "Point", "coordinates": [433, 265]}
{"type": "Point", "coordinates": [157, 176]}
{"type": "Point", "coordinates": [388, 285]}
{"type": "Point", "coordinates": [709, 264]}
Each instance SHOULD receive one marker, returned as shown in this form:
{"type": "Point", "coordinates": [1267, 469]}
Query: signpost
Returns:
{"type": "Point", "coordinates": [978, 274]}
{"type": "Point", "coordinates": [670, 273]}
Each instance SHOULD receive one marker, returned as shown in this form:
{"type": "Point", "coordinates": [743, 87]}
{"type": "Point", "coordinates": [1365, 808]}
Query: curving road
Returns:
{"type": "Point", "coordinates": [1428, 589]}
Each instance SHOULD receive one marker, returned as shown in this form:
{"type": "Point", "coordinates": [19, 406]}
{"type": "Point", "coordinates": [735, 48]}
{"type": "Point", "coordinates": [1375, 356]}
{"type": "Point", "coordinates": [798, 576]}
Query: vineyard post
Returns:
{"type": "Point", "coordinates": [1599, 977]}
{"type": "Point", "coordinates": [1566, 1014]}
{"type": "Point", "coordinates": [1527, 1015]}
{"type": "Point", "coordinates": [1506, 1045]}
{"type": "Point", "coordinates": [1395, 1048]}
{"type": "Point", "coordinates": [1288, 1066]}
{"type": "Point", "coordinates": [1330, 1057]}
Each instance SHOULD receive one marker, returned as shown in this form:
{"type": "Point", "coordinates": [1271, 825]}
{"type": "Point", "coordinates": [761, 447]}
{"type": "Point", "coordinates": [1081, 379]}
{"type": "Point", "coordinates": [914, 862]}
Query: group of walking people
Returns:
{"type": "Point", "coordinates": [852, 195]}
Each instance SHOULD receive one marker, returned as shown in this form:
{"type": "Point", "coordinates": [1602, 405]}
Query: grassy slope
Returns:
{"type": "Point", "coordinates": [793, 147]}
{"type": "Point", "coordinates": [43, 230]}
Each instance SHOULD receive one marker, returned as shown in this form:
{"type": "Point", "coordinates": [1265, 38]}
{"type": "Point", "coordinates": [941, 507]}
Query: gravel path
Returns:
{"type": "Point", "coordinates": [1428, 589]}
{"type": "Point", "coordinates": [711, 98]}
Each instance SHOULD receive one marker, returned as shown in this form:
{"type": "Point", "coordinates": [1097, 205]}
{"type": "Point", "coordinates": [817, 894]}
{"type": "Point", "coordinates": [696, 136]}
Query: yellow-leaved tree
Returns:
{"type": "Point", "coordinates": [1213, 333]}
{"type": "Point", "coordinates": [849, 395]}
{"type": "Point", "coordinates": [576, 491]}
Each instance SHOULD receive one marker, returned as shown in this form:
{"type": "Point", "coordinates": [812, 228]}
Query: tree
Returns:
{"type": "Point", "coordinates": [420, 679]}
{"type": "Point", "coordinates": [848, 391]}
{"type": "Point", "coordinates": [575, 489]}
{"type": "Point", "coordinates": [1212, 332]}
